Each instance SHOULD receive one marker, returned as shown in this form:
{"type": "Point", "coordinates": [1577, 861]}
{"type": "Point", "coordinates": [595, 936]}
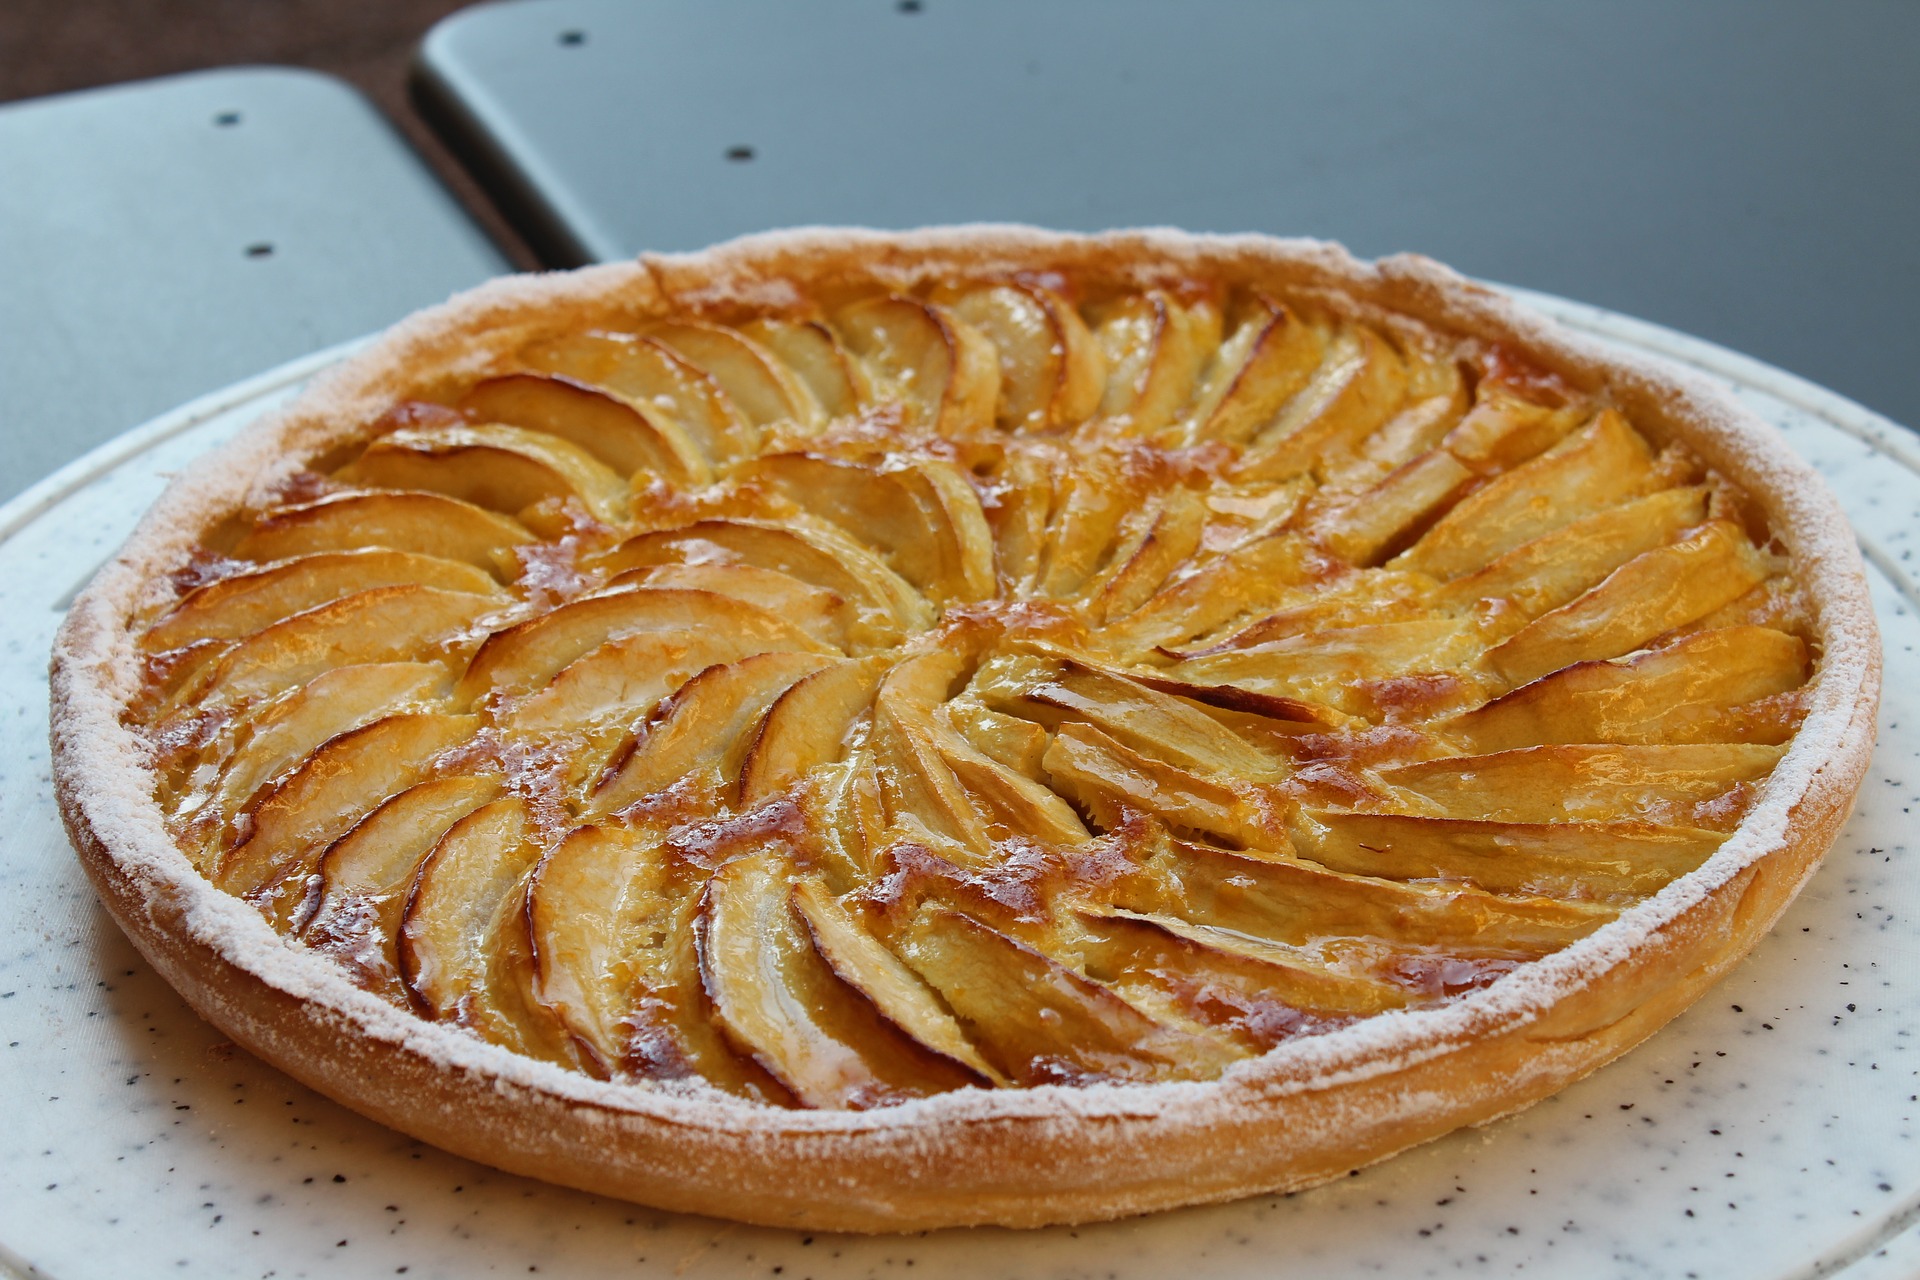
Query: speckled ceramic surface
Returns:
{"type": "Point", "coordinates": [1768, 1132]}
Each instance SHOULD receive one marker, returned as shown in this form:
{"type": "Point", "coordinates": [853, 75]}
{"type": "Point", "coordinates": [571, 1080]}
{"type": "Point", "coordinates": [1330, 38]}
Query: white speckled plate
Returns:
{"type": "Point", "coordinates": [1768, 1132]}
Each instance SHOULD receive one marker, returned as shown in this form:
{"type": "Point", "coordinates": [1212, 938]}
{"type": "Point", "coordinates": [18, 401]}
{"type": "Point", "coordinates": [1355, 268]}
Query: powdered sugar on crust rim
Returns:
{"type": "Point", "coordinates": [1310, 1109]}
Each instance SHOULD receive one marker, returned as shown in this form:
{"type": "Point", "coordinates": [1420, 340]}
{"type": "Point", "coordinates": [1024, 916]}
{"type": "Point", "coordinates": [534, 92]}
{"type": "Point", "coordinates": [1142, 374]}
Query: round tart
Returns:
{"type": "Point", "coordinates": [979, 726]}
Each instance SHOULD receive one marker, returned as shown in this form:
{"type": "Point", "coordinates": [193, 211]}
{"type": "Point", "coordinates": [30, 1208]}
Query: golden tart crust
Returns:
{"type": "Point", "coordinates": [1242, 595]}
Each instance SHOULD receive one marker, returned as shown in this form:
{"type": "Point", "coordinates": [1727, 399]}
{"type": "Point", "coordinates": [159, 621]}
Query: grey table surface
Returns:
{"type": "Point", "coordinates": [1745, 170]}
{"type": "Point", "coordinates": [161, 240]}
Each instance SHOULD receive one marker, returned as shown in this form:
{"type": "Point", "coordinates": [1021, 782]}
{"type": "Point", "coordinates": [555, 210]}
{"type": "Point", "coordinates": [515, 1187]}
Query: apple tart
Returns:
{"type": "Point", "coordinates": [879, 732]}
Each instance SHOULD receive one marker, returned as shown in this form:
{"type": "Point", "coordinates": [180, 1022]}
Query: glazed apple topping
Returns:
{"type": "Point", "coordinates": [1016, 682]}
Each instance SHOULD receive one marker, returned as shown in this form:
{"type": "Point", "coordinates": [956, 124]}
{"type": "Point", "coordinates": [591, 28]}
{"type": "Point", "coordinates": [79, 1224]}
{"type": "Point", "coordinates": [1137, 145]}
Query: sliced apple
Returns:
{"type": "Point", "coordinates": [815, 610]}
{"type": "Point", "coordinates": [629, 676]}
{"type": "Point", "coordinates": [1372, 524]}
{"type": "Point", "coordinates": [757, 382]}
{"type": "Point", "coordinates": [1623, 858]}
{"type": "Point", "coordinates": [895, 990]}
{"type": "Point", "coordinates": [782, 1003]}
{"type": "Point", "coordinates": [615, 431]}
{"type": "Point", "coordinates": [1551, 570]}
{"type": "Point", "coordinates": [505, 469]}
{"type": "Point", "coordinates": [288, 827]}
{"type": "Point", "coordinates": [923, 519]}
{"type": "Point", "coordinates": [293, 726]}
{"type": "Point", "coordinates": [662, 383]}
{"type": "Point", "coordinates": [386, 624]}
{"type": "Point", "coordinates": [361, 881]}
{"type": "Point", "coordinates": [462, 944]}
{"type": "Point", "coordinates": [1254, 989]}
{"type": "Point", "coordinates": [1266, 362]}
{"type": "Point", "coordinates": [812, 354]}
{"type": "Point", "coordinates": [1016, 743]}
{"type": "Point", "coordinates": [705, 726]}
{"type": "Point", "coordinates": [1155, 347]}
{"type": "Point", "coordinates": [525, 656]}
{"type": "Point", "coordinates": [231, 608]}
{"type": "Point", "coordinates": [1301, 904]}
{"type": "Point", "coordinates": [599, 908]}
{"type": "Point", "coordinates": [1052, 372]}
{"type": "Point", "coordinates": [916, 783]}
{"type": "Point", "coordinates": [1105, 778]}
{"type": "Point", "coordinates": [1330, 666]}
{"type": "Point", "coordinates": [1360, 384]}
{"type": "Point", "coordinates": [1504, 429]}
{"type": "Point", "coordinates": [807, 726]}
{"type": "Point", "coordinates": [1161, 539]}
{"type": "Point", "coordinates": [1018, 515]}
{"type": "Point", "coordinates": [1655, 592]}
{"type": "Point", "coordinates": [1684, 692]}
{"type": "Point", "coordinates": [1143, 718]}
{"type": "Point", "coordinates": [1093, 499]}
{"type": "Point", "coordinates": [880, 604]}
{"type": "Point", "coordinates": [1253, 577]}
{"type": "Point", "coordinates": [941, 369]}
{"type": "Point", "coordinates": [1037, 1021]}
{"type": "Point", "coordinates": [1653, 782]}
{"type": "Point", "coordinates": [429, 524]}
{"type": "Point", "coordinates": [1597, 466]}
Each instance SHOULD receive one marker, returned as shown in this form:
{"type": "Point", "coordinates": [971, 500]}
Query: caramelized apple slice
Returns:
{"type": "Point", "coordinates": [293, 726]}
{"type": "Point", "coordinates": [779, 1001]}
{"type": "Point", "coordinates": [505, 469]}
{"type": "Point", "coordinates": [629, 675]}
{"type": "Point", "coordinates": [1653, 782]}
{"type": "Point", "coordinates": [943, 371]}
{"type": "Point", "coordinates": [615, 431]}
{"type": "Point", "coordinates": [811, 354]}
{"type": "Point", "coordinates": [1155, 346]}
{"type": "Point", "coordinates": [387, 624]}
{"type": "Point", "coordinates": [230, 608]}
{"type": "Point", "coordinates": [599, 907]}
{"type": "Point", "coordinates": [705, 726]}
{"type": "Point", "coordinates": [1627, 858]}
{"type": "Point", "coordinates": [1022, 501]}
{"type": "Point", "coordinates": [1257, 991]}
{"type": "Point", "coordinates": [1094, 497]}
{"type": "Point", "coordinates": [1105, 778]}
{"type": "Point", "coordinates": [1161, 539]}
{"type": "Point", "coordinates": [529, 654]}
{"type": "Point", "coordinates": [1688, 691]}
{"type": "Point", "coordinates": [1039, 1022]}
{"type": "Point", "coordinates": [1303, 903]}
{"type": "Point", "coordinates": [1331, 666]}
{"type": "Point", "coordinates": [759, 385]}
{"type": "Point", "coordinates": [315, 804]}
{"type": "Point", "coordinates": [1370, 525]}
{"type": "Point", "coordinates": [1504, 429]}
{"type": "Point", "coordinates": [1267, 361]}
{"type": "Point", "coordinates": [1655, 592]}
{"type": "Point", "coordinates": [807, 726]}
{"type": "Point", "coordinates": [1248, 579]}
{"type": "Point", "coordinates": [881, 605]}
{"type": "Point", "coordinates": [1359, 385]}
{"type": "Point", "coordinates": [815, 610]}
{"type": "Point", "coordinates": [916, 783]}
{"type": "Point", "coordinates": [1603, 463]}
{"type": "Point", "coordinates": [900, 995]}
{"type": "Point", "coordinates": [1553, 569]}
{"type": "Point", "coordinates": [430, 524]}
{"type": "Point", "coordinates": [1142, 718]}
{"type": "Point", "coordinates": [360, 884]}
{"type": "Point", "coordinates": [463, 947]}
{"type": "Point", "coordinates": [1052, 372]}
{"type": "Point", "coordinates": [659, 380]}
{"type": "Point", "coordinates": [924, 519]}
